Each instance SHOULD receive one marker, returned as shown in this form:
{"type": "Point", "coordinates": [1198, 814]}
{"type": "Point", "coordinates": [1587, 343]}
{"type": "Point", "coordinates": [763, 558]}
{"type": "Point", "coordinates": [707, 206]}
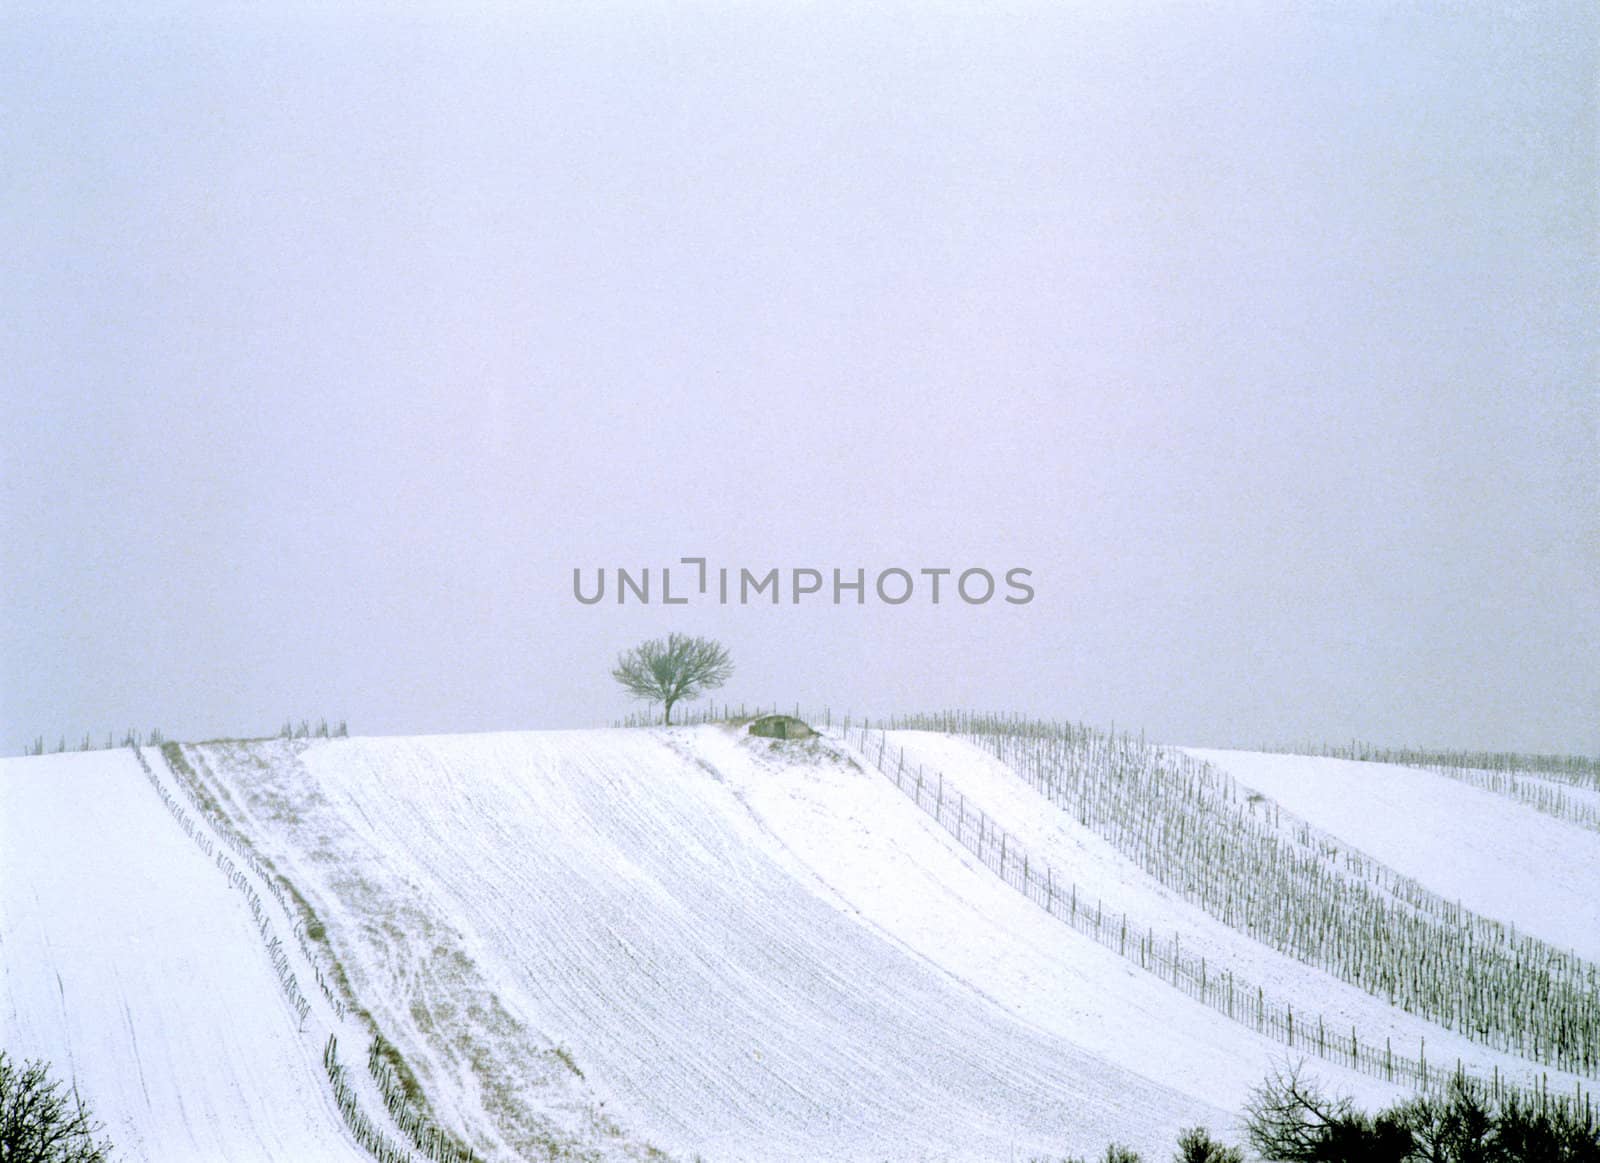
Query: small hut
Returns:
{"type": "Point", "coordinates": [780, 727]}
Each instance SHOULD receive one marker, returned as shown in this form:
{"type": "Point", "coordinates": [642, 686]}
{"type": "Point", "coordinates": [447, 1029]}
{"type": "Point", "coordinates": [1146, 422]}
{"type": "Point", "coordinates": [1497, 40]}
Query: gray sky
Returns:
{"type": "Point", "coordinates": [1263, 335]}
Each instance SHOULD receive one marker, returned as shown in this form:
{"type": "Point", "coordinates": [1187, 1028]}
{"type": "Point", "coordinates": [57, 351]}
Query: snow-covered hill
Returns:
{"type": "Point", "coordinates": [130, 964]}
{"type": "Point", "coordinates": [617, 943]}
{"type": "Point", "coordinates": [1491, 852]}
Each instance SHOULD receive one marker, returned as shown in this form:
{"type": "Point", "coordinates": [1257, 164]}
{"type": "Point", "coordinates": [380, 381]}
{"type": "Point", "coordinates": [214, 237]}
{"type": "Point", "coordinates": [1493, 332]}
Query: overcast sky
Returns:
{"type": "Point", "coordinates": [1265, 336]}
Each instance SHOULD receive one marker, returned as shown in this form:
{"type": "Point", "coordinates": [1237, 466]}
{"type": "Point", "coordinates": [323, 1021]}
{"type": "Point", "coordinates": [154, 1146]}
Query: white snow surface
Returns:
{"type": "Point", "coordinates": [685, 939]}
{"type": "Point", "coordinates": [1497, 856]}
{"type": "Point", "coordinates": [1103, 874]}
{"type": "Point", "coordinates": [130, 966]}
{"type": "Point", "coordinates": [749, 952]}
{"type": "Point", "coordinates": [746, 959]}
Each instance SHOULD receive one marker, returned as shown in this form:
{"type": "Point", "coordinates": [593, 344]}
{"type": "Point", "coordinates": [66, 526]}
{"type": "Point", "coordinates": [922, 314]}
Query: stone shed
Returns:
{"type": "Point", "coordinates": [780, 727]}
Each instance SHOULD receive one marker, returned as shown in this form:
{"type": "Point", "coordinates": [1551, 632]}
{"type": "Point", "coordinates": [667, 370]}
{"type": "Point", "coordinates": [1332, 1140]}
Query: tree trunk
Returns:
{"type": "Point", "coordinates": [668, 706]}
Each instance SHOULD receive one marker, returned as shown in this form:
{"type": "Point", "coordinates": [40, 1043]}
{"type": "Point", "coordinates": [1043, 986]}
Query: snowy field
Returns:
{"type": "Point", "coordinates": [1103, 874]}
{"type": "Point", "coordinates": [129, 964]}
{"type": "Point", "coordinates": [741, 957]}
{"type": "Point", "coordinates": [617, 944]}
{"type": "Point", "coordinates": [1495, 855]}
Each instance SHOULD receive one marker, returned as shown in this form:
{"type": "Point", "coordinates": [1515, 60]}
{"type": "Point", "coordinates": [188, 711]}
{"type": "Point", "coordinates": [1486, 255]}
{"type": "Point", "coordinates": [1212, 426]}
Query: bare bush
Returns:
{"type": "Point", "coordinates": [40, 1122]}
{"type": "Point", "coordinates": [1289, 1120]}
{"type": "Point", "coordinates": [1197, 1146]}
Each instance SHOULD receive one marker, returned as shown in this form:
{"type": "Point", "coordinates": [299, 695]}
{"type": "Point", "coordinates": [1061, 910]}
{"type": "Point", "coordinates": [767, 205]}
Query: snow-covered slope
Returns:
{"type": "Point", "coordinates": [745, 959]}
{"type": "Point", "coordinates": [130, 965]}
{"type": "Point", "coordinates": [1103, 874]}
{"type": "Point", "coordinates": [618, 944]}
{"type": "Point", "coordinates": [1495, 855]}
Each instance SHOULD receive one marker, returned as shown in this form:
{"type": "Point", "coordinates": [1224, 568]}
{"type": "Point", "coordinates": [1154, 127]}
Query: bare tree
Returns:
{"type": "Point", "coordinates": [39, 1123]}
{"type": "Point", "coordinates": [1288, 1119]}
{"type": "Point", "coordinates": [677, 667]}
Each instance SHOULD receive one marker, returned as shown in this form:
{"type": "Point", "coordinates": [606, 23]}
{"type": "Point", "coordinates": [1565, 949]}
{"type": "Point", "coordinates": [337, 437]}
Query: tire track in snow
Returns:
{"type": "Point", "coordinates": [644, 919]}
{"type": "Point", "coordinates": [320, 1017]}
